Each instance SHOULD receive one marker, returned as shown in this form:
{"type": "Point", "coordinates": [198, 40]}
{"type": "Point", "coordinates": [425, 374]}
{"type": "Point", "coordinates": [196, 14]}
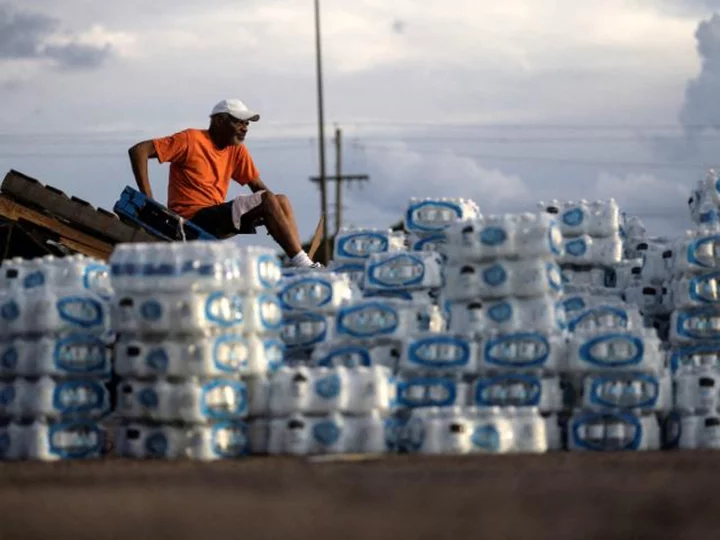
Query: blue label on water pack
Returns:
{"type": "Point", "coordinates": [631, 391]}
{"type": "Point", "coordinates": [10, 311]}
{"type": "Point", "coordinates": [431, 215]}
{"type": "Point", "coordinates": [7, 395]}
{"type": "Point", "coordinates": [9, 358]}
{"type": "Point", "coordinates": [613, 350]}
{"type": "Point", "coordinates": [500, 313]}
{"type": "Point", "coordinates": [486, 437]}
{"type": "Point", "coordinates": [34, 279]}
{"type": "Point", "coordinates": [269, 271]}
{"type": "Point", "coordinates": [328, 387]}
{"type": "Point", "coordinates": [148, 398]}
{"type": "Point", "coordinates": [231, 353]}
{"type": "Point", "coordinates": [440, 352]}
{"type": "Point", "coordinates": [347, 356]}
{"type": "Point", "coordinates": [75, 440]}
{"type": "Point", "coordinates": [703, 289]}
{"type": "Point", "coordinates": [493, 236]}
{"type": "Point", "coordinates": [577, 247]}
{"type": "Point", "coordinates": [224, 399]}
{"type": "Point", "coordinates": [402, 295]}
{"type": "Point", "coordinates": [274, 354]}
{"type": "Point", "coordinates": [494, 275]}
{"type": "Point", "coordinates": [304, 330]}
{"type": "Point", "coordinates": [589, 430]}
{"type": "Point", "coordinates": [554, 238]}
{"type": "Point", "coordinates": [91, 275]}
{"type": "Point", "coordinates": [271, 317]}
{"type": "Point", "coordinates": [522, 349]}
{"type": "Point", "coordinates": [72, 397]}
{"type": "Point", "coordinates": [362, 244]}
{"type": "Point", "coordinates": [367, 320]}
{"type": "Point", "coordinates": [619, 315]}
{"type": "Point", "coordinates": [124, 269]}
{"type": "Point", "coordinates": [573, 217]}
{"type": "Point", "coordinates": [5, 443]}
{"type": "Point", "coordinates": [151, 310]}
{"type": "Point", "coordinates": [554, 276]}
{"type": "Point", "coordinates": [426, 392]}
{"type": "Point", "coordinates": [81, 354]}
{"type": "Point", "coordinates": [429, 243]}
{"type": "Point", "coordinates": [402, 270]}
{"type": "Point", "coordinates": [81, 311]}
{"type": "Point", "coordinates": [699, 246]}
{"type": "Point", "coordinates": [509, 390]}
{"type": "Point", "coordinates": [224, 309]}
{"type": "Point", "coordinates": [575, 303]}
{"type": "Point", "coordinates": [156, 445]}
{"type": "Point", "coordinates": [698, 323]}
{"type": "Point", "coordinates": [326, 432]}
{"type": "Point", "coordinates": [683, 357]}
{"type": "Point", "coordinates": [158, 360]}
{"type": "Point", "coordinates": [159, 270]}
{"type": "Point", "coordinates": [230, 439]}
{"type": "Point", "coordinates": [308, 293]}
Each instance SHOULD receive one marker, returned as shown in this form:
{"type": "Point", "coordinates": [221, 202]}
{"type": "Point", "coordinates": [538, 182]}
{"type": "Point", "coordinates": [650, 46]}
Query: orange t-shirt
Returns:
{"type": "Point", "coordinates": [200, 173]}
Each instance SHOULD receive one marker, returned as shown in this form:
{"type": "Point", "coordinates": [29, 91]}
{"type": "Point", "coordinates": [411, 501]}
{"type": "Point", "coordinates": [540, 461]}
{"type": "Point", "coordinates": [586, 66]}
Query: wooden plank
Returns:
{"type": "Point", "coordinates": [85, 250]}
{"type": "Point", "coordinates": [54, 201]}
{"type": "Point", "coordinates": [317, 237]}
{"type": "Point", "coordinates": [15, 211]}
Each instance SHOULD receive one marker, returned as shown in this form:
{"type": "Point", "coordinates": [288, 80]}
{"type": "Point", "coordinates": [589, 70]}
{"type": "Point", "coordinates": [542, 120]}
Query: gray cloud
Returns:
{"type": "Point", "coordinates": [699, 140]}
{"type": "Point", "coordinates": [23, 35]}
{"type": "Point", "coordinates": [702, 107]}
{"type": "Point", "coordinates": [79, 55]}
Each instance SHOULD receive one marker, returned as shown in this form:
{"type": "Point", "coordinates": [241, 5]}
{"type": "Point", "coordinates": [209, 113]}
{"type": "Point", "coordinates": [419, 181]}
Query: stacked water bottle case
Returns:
{"type": "Point", "coordinates": [490, 382]}
{"type": "Point", "coordinates": [427, 220]}
{"type": "Point", "coordinates": [354, 245]}
{"type": "Point", "coordinates": [198, 326]}
{"type": "Point", "coordinates": [326, 408]}
{"type": "Point", "coordinates": [54, 358]}
{"type": "Point", "coordinates": [592, 259]}
{"type": "Point", "coordinates": [694, 339]}
{"type": "Point", "coordinates": [621, 386]}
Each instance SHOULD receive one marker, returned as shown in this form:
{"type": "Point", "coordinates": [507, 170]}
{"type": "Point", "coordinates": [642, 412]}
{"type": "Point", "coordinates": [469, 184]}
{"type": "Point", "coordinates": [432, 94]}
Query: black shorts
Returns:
{"type": "Point", "coordinates": [218, 221]}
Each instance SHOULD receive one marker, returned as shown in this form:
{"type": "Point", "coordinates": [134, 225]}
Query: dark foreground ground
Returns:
{"type": "Point", "coordinates": [558, 496]}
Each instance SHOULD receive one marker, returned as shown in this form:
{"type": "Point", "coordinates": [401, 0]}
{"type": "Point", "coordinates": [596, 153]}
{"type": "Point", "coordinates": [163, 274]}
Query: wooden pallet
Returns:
{"type": "Point", "coordinates": [59, 223]}
{"type": "Point", "coordinates": [82, 215]}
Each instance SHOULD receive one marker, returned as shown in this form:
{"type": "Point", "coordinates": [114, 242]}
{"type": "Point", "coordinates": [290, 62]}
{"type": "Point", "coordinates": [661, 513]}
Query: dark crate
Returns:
{"type": "Point", "coordinates": [136, 208]}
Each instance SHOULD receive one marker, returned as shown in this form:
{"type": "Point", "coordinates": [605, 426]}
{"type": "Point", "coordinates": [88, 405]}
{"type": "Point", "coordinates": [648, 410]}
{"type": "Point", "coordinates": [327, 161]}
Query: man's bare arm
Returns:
{"type": "Point", "coordinates": [139, 156]}
{"type": "Point", "coordinates": [258, 185]}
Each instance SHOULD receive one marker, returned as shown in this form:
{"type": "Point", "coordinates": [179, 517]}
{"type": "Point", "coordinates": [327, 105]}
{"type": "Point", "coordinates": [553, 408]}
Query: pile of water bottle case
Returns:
{"type": "Point", "coordinates": [564, 328]}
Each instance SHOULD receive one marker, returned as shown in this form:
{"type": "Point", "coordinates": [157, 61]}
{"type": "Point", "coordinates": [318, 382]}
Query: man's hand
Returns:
{"type": "Point", "coordinates": [139, 156]}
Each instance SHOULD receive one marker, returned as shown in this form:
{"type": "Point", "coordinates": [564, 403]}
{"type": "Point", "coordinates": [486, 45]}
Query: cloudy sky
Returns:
{"type": "Point", "coordinates": [507, 103]}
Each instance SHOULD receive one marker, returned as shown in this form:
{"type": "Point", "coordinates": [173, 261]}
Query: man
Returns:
{"type": "Point", "coordinates": [202, 162]}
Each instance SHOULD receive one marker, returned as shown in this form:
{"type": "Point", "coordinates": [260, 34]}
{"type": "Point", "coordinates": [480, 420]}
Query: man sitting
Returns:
{"type": "Point", "coordinates": [202, 162]}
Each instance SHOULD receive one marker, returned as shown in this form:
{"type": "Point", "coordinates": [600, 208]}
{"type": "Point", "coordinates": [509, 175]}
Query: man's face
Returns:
{"type": "Point", "coordinates": [234, 130]}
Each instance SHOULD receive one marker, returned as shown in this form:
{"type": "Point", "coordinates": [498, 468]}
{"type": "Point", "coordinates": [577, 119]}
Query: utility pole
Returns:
{"type": "Point", "coordinates": [321, 133]}
{"type": "Point", "coordinates": [338, 185]}
{"type": "Point", "coordinates": [339, 178]}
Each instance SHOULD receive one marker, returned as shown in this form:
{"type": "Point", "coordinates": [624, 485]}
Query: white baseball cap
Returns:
{"type": "Point", "coordinates": [236, 109]}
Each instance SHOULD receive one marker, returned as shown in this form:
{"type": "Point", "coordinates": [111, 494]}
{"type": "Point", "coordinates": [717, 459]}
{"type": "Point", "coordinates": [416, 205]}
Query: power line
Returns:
{"type": "Point", "coordinates": [402, 123]}
{"type": "Point", "coordinates": [523, 140]}
{"type": "Point", "coordinates": [122, 155]}
{"type": "Point", "coordinates": [566, 161]}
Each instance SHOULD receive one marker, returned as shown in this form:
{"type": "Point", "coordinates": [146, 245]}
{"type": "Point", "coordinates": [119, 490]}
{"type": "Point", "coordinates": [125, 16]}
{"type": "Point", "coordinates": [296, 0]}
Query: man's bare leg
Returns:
{"type": "Point", "coordinates": [290, 215]}
{"type": "Point", "coordinates": [280, 227]}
